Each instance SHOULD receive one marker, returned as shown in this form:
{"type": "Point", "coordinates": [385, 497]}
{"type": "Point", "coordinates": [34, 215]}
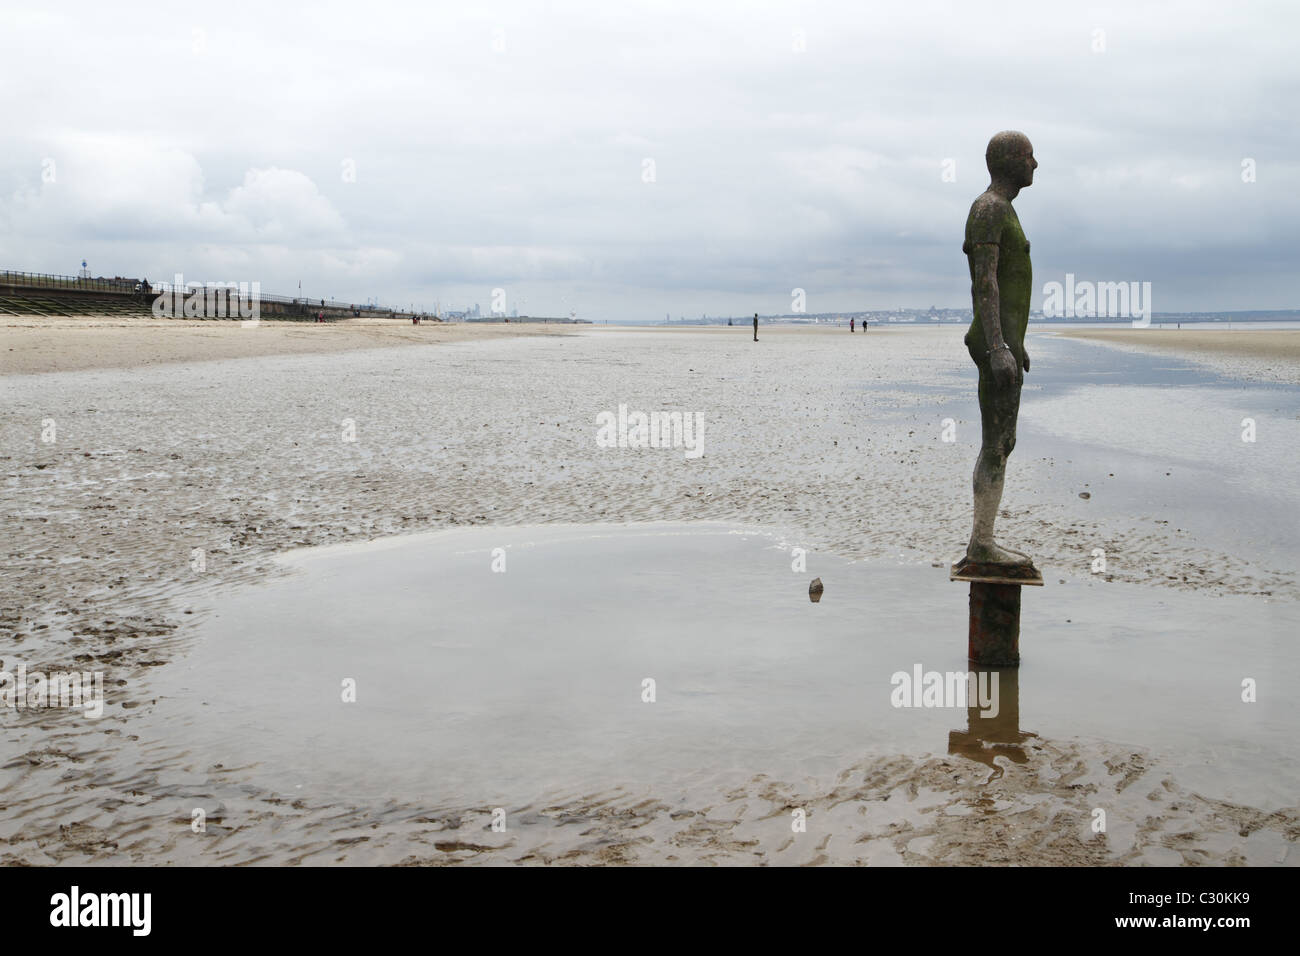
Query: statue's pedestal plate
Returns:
{"type": "Point", "coordinates": [995, 609]}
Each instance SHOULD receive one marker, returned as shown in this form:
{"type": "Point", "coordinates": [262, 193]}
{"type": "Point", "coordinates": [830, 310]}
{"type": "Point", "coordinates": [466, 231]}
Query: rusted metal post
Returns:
{"type": "Point", "coordinates": [994, 634]}
{"type": "Point", "coordinates": [994, 625]}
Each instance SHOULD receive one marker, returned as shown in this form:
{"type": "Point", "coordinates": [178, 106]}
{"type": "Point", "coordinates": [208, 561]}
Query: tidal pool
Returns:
{"type": "Point", "coordinates": [496, 665]}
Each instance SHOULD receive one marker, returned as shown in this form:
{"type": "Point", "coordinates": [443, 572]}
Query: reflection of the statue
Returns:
{"type": "Point", "coordinates": [987, 737]}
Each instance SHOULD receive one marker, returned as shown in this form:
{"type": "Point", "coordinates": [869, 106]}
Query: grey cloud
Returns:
{"type": "Point", "coordinates": [221, 147]}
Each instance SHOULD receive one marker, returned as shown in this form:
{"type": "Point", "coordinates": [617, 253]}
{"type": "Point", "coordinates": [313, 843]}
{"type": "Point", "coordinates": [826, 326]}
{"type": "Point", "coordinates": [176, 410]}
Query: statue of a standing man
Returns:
{"type": "Point", "coordinates": [1001, 280]}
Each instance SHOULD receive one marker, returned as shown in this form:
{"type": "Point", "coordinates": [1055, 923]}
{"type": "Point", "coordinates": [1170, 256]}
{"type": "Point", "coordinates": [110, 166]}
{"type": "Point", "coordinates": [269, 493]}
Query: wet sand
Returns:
{"type": "Point", "coordinates": [1272, 354]}
{"type": "Point", "coordinates": [29, 344]}
{"type": "Point", "coordinates": [831, 441]}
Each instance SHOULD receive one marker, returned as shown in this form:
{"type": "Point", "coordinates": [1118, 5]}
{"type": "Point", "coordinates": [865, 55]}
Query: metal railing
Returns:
{"type": "Point", "coordinates": [121, 286]}
{"type": "Point", "coordinates": [323, 303]}
{"type": "Point", "coordinates": [40, 280]}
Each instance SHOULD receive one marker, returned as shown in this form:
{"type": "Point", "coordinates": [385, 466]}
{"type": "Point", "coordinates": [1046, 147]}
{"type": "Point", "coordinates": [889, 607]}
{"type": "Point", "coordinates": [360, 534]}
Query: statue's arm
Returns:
{"type": "Point", "coordinates": [984, 289]}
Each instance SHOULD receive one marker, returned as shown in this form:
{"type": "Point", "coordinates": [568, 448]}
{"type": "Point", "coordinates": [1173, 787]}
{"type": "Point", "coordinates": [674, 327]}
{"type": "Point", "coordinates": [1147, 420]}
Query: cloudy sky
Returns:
{"type": "Point", "coordinates": [630, 160]}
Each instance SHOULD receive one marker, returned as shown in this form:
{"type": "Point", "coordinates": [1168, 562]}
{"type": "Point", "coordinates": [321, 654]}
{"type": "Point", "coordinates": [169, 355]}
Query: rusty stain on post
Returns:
{"type": "Point", "coordinates": [994, 635]}
{"type": "Point", "coordinates": [994, 625]}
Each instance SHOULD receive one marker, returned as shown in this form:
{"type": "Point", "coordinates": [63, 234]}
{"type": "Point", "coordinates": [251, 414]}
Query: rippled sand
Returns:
{"type": "Point", "coordinates": [834, 440]}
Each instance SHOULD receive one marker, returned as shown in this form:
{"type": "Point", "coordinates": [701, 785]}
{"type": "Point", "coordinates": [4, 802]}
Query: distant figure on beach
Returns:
{"type": "Point", "coordinates": [850, 325]}
{"type": "Point", "coordinates": [755, 326]}
{"type": "Point", "coordinates": [1001, 279]}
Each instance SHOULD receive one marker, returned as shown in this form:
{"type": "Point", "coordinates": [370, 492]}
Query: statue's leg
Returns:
{"type": "Point", "coordinates": [1011, 417]}
{"type": "Point", "coordinates": [999, 409]}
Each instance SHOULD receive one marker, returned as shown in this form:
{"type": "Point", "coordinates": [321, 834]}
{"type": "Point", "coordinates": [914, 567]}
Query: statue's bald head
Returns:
{"type": "Point", "coordinates": [1010, 156]}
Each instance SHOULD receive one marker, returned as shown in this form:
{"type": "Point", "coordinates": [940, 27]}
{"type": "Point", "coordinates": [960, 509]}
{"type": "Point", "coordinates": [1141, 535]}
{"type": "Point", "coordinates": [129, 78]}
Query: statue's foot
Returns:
{"type": "Point", "coordinates": [990, 553]}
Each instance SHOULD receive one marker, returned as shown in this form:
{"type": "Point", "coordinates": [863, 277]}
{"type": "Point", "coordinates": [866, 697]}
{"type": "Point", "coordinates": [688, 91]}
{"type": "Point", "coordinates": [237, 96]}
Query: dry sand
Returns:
{"type": "Point", "coordinates": [243, 459]}
{"type": "Point", "coordinates": [31, 344]}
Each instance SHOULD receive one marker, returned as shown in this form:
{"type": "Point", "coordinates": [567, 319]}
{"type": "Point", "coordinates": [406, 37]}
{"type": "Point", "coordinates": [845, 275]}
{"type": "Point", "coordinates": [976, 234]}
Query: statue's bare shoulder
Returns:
{"type": "Point", "coordinates": [988, 215]}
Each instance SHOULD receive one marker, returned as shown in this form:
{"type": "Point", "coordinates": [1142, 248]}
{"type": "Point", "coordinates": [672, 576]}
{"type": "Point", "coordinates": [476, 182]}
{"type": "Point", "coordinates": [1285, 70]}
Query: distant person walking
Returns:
{"type": "Point", "coordinates": [755, 326]}
{"type": "Point", "coordinates": [850, 325]}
